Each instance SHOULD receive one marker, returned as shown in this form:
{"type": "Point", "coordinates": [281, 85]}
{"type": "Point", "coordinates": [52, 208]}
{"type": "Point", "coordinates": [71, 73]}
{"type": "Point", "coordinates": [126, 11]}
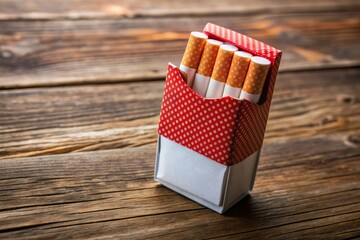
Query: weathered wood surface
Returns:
{"type": "Point", "coordinates": [77, 9]}
{"type": "Point", "coordinates": [43, 121]}
{"type": "Point", "coordinates": [80, 93]}
{"type": "Point", "coordinates": [305, 188]}
{"type": "Point", "coordinates": [48, 53]}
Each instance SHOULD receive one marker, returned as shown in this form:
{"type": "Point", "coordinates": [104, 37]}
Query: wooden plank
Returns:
{"type": "Point", "coordinates": [41, 121]}
{"type": "Point", "coordinates": [77, 9]}
{"type": "Point", "coordinates": [48, 53]}
{"type": "Point", "coordinates": [303, 190]}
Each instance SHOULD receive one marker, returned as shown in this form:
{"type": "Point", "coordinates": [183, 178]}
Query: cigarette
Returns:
{"type": "Point", "coordinates": [206, 66]}
{"type": "Point", "coordinates": [255, 79]}
{"type": "Point", "coordinates": [237, 74]}
{"type": "Point", "coordinates": [220, 71]}
{"type": "Point", "coordinates": [192, 55]}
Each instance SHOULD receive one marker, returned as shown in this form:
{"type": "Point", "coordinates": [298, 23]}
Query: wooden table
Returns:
{"type": "Point", "coordinates": [81, 85]}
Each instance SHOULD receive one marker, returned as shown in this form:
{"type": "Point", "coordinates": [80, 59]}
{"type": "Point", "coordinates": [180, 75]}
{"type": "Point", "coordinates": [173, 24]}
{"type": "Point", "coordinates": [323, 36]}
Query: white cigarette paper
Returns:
{"type": "Point", "coordinates": [192, 55]}
{"type": "Point", "coordinates": [220, 71]}
{"type": "Point", "coordinates": [206, 66]}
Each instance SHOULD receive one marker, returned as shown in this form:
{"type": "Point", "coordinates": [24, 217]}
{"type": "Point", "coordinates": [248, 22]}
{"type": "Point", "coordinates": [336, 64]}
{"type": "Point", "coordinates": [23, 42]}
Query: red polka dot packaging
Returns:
{"type": "Point", "coordinates": [208, 149]}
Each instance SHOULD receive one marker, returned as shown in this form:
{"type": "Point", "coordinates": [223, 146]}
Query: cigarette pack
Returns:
{"type": "Point", "coordinates": [208, 149]}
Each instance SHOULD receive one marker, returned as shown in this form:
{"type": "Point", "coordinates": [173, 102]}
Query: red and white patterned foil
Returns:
{"type": "Point", "coordinates": [225, 130]}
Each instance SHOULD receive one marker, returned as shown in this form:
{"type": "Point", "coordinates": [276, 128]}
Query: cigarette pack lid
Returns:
{"type": "Point", "coordinates": [248, 44]}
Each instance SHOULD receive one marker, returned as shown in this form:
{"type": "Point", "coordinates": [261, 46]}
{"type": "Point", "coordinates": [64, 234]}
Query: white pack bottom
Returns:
{"type": "Point", "coordinates": [201, 179]}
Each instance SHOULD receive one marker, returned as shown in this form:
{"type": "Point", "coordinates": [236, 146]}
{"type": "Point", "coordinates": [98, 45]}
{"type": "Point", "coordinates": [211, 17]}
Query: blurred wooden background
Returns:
{"type": "Point", "coordinates": [80, 92]}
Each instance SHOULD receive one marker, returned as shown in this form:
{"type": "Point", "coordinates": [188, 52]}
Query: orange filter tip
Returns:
{"type": "Point", "coordinates": [194, 49]}
{"type": "Point", "coordinates": [208, 57]}
{"type": "Point", "coordinates": [256, 75]}
{"type": "Point", "coordinates": [223, 62]}
{"type": "Point", "coordinates": [238, 69]}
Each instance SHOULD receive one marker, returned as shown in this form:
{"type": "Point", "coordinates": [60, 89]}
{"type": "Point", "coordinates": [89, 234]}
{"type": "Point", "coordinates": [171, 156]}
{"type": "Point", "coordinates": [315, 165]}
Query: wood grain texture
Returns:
{"type": "Point", "coordinates": [50, 53]}
{"type": "Point", "coordinates": [303, 190]}
{"type": "Point", "coordinates": [80, 91]}
{"type": "Point", "coordinates": [42, 121]}
{"type": "Point", "coordinates": [77, 9]}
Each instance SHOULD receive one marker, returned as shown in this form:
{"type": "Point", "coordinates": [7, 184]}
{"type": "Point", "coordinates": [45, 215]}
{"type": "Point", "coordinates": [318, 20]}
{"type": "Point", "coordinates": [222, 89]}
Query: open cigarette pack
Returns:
{"type": "Point", "coordinates": [208, 149]}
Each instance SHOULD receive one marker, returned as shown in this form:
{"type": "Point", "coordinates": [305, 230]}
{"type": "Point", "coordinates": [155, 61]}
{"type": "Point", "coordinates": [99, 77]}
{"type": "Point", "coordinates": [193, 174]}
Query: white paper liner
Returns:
{"type": "Point", "coordinates": [201, 179]}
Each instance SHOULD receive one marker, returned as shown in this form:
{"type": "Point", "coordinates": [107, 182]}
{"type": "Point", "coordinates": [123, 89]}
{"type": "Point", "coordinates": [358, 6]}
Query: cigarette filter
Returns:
{"type": "Point", "coordinates": [220, 71]}
{"type": "Point", "coordinates": [255, 79]}
{"type": "Point", "coordinates": [237, 74]}
{"type": "Point", "coordinates": [206, 66]}
{"type": "Point", "coordinates": [192, 55]}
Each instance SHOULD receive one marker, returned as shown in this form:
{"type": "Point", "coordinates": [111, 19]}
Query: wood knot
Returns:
{"type": "Point", "coordinates": [346, 99]}
{"type": "Point", "coordinates": [353, 140]}
{"type": "Point", "coordinates": [328, 119]}
{"type": "Point", "coordinates": [6, 54]}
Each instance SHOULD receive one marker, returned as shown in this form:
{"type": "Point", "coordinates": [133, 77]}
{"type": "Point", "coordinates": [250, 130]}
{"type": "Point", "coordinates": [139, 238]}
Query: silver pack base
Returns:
{"type": "Point", "coordinates": [201, 179]}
